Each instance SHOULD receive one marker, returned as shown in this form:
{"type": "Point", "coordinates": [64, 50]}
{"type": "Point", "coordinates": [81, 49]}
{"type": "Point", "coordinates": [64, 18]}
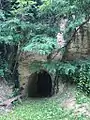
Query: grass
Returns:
{"type": "Point", "coordinates": [41, 109]}
{"type": "Point", "coordinates": [48, 108]}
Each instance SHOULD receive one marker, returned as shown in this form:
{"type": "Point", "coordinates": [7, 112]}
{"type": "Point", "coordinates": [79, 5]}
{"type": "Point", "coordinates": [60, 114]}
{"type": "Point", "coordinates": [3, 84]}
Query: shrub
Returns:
{"type": "Point", "coordinates": [78, 72]}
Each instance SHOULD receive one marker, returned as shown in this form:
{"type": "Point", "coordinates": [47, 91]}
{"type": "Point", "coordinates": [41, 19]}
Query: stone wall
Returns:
{"type": "Point", "coordinates": [80, 45]}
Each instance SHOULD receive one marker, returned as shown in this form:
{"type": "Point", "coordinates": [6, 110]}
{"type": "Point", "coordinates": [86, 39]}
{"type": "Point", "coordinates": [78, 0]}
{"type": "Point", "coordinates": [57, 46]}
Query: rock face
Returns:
{"type": "Point", "coordinates": [5, 91]}
{"type": "Point", "coordinates": [80, 45]}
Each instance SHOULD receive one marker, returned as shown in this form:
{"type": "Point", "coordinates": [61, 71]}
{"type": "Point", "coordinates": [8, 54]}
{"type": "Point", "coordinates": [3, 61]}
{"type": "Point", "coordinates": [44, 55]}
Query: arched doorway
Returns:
{"type": "Point", "coordinates": [40, 85]}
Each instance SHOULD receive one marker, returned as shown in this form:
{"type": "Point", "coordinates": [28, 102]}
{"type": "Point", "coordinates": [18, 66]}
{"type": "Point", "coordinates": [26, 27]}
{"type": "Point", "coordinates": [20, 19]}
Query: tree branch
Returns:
{"type": "Point", "coordinates": [75, 31]}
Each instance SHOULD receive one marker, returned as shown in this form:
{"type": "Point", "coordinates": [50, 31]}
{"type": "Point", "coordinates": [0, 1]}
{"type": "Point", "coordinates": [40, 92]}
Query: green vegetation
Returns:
{"type": "Point", "coordinates": [25, 24]}
{"type": "Point", "coordinates": [46, 109]}
{"type": "Point", "coordinates": [32, 25]}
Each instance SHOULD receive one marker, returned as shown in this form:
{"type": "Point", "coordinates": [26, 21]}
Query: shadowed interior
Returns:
{"type": "Point", "coordinates": [40, 85]}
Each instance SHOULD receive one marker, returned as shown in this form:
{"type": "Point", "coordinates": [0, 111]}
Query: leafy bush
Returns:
{"type": "Point", "coordinates": [78, 72]}
{"type": "Point", "coordinates": [82, 76]}
{"type": "Point", "coordinates": [41, 44]}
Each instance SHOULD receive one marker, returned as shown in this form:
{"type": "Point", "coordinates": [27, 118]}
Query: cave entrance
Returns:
{"type": "Point", "coordinates": [40, 85]}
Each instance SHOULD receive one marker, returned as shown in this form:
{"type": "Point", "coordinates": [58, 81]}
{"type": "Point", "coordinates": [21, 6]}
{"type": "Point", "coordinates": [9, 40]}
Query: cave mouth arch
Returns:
{"type": "Point", "coordinates": [40, 84]}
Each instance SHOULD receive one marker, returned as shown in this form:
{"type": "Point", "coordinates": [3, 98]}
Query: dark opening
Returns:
{"type": "Point", "coordinates": [40, 85]}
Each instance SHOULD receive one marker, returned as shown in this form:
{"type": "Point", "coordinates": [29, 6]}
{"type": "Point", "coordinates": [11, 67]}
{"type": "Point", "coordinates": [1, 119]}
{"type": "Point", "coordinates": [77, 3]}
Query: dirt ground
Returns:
{"type": "Point", "coordinates": [68, 99]}
{"type": "Point", "coordinates": [5, 93]}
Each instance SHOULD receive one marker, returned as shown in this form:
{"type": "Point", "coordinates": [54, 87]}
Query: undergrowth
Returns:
{"type": "Point", "coordinates": [42, 109]}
